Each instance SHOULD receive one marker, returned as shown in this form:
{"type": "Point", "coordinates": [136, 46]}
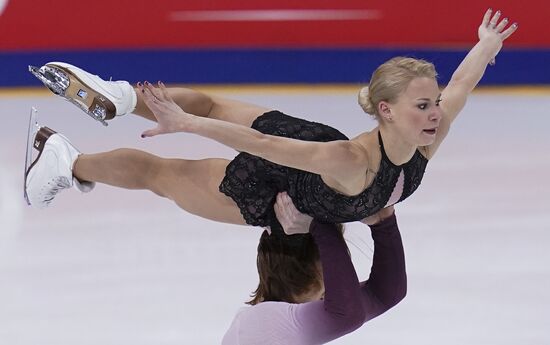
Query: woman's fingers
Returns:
{"type": "Point", "coordinates": [150, 133]}
{"type": "Point", "coordinates": [148, 98]}
{"type": "Point", "coordinates": [493, 22]}
{"type": "Point", "coordinates": [164, 91]}
{"type": "Point", "coordinates": [152, 103]}
{"type": "Point", "coordinates": [487, 17]}
{"type": "Point", "coordinates": [501, 25]}
{"type": "Point", "coordinates": [508, 32]}
{"type": "Point", "coordinates": [154, 91]}
{"type": "Point", "coordinates": [144, 91]}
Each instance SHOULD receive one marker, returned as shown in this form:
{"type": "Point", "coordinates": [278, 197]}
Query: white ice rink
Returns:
{"type": "Point", "coordinates": [125, 267]}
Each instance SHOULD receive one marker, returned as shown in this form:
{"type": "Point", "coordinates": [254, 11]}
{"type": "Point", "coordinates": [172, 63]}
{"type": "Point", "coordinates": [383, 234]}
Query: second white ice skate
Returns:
{"type": "Point", "coordinates": [51, 171]}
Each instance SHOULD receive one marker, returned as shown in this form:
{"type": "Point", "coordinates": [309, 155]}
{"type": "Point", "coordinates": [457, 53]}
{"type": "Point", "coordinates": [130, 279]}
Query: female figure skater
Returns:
{"type": "Point", "coordinates": [328, 177]}
{"type": "Point", "coordinates": [309, 293]}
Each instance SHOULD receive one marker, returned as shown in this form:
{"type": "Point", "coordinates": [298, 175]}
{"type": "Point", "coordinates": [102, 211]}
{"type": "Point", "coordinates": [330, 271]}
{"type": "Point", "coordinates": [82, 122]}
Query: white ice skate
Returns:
{"type": "Point", "coordinates": [100, 99]}
{"type": "Point", "coordinates": [51, 171]}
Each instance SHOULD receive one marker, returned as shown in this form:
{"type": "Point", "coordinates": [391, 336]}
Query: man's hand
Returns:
{"type": "Point", "coordinates": [292, 220]}
{"type": "Point", "coordinates": [379, 216]}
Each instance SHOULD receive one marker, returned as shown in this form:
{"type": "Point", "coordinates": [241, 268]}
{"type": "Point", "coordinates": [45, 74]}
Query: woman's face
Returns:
{"type": "Point", "coordinates": [416, 113]}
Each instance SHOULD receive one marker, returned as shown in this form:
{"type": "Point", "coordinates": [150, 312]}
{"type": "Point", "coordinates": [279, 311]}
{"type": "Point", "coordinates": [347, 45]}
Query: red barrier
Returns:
{"type": "Point", "coordinates": [122, 24]}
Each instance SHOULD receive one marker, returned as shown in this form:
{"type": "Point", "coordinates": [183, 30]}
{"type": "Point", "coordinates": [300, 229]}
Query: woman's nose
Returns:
{"type": "Point", "coordinates": [436, 115]}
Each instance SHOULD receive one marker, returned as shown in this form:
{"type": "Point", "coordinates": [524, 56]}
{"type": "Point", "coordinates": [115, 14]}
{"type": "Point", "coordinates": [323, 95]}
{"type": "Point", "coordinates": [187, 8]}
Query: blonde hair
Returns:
{"type": "Point", "coordinates": [390, 79]}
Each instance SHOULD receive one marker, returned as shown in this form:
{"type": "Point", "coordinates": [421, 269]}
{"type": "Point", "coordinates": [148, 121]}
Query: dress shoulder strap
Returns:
{"type": "Point", "coordinates": [382, 150]}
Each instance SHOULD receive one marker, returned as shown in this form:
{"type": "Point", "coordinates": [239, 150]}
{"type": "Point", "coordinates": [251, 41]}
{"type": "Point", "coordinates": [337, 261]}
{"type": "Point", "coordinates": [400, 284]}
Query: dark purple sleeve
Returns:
{"type": "Point", "coordinates": [387, 283]}
{"type": "Point", "coordinates": [342, 288]}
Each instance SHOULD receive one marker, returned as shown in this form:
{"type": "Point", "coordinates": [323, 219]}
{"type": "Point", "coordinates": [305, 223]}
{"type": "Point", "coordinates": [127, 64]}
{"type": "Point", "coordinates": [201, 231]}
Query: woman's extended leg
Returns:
{"type": "Point", "coordinates": [191, 184]}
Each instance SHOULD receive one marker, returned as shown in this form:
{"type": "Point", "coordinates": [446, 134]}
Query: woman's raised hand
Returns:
{"type": "Point", "coordinates": [170, 117]}
{"type": "Point", "coordinates": [494, 30]}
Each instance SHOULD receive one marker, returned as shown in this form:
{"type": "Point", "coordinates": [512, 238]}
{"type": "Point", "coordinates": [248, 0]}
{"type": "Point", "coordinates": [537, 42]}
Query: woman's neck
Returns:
{"type": "Point", "coordinates": [398, 151]}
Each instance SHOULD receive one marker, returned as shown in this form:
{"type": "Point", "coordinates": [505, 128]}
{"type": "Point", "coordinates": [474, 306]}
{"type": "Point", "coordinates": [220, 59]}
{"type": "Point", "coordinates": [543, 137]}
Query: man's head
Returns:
{"type": "Point", "coordinates": [289, 271]}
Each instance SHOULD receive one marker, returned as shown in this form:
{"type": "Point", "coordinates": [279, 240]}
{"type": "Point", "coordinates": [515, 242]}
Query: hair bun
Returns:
{"type": "Point", "coordinates": [365, 101]}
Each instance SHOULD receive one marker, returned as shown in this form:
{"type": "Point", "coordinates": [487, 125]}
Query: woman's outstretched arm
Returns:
{"type": "Point", "coordinates": [492, 32]}
{"type": "Point", "coordinates": [324, 158]}
{"type": "Point", "coordinates": [206, 105]}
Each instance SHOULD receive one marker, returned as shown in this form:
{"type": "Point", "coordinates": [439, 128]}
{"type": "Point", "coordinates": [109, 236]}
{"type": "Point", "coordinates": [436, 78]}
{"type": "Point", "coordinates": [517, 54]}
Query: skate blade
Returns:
{"type": "Point", "coordinates": [36, 138]}
{"type": "Point", "coordinates": [31, 133]}
{"type": "Point", "coordinates": [62, 82]}
{"type": "Point", "coordinates": [56, 82]}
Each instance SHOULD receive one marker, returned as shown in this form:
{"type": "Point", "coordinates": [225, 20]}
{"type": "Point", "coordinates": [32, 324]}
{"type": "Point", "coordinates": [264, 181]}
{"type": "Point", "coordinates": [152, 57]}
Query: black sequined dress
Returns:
{"type": "Point", "coordinates": [253, 182]}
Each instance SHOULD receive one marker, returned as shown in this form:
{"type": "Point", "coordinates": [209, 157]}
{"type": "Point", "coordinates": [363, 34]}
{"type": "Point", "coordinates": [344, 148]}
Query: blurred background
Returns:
{"type": "Point", "coordinates": [127, 267]}
{"type": "Point", "coordinates": [198, 41]}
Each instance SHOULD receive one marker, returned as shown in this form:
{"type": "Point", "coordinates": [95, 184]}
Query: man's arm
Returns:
{"type": "Point", "coordinates": [387, 283]}
{"type": "Point", "coordinates": [340, 312]}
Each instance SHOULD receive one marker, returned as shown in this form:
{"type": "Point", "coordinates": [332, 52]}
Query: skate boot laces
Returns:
{"type": "Point", "coordinates": [54, 186]}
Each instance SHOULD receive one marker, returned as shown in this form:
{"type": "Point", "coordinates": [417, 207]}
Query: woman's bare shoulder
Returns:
{"type": "Point", "coordinates": [368, 143]}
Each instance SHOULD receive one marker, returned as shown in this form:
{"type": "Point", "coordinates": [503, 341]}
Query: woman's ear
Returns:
{"type": "Point", "coordinates": [385, 111]}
